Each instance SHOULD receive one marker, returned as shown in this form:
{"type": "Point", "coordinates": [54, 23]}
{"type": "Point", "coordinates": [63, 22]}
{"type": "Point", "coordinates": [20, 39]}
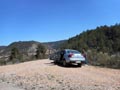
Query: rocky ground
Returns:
{"type": "Point", "coordinates": [44, 75]}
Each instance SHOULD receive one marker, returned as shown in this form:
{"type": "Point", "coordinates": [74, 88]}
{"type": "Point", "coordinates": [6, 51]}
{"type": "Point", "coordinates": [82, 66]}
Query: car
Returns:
{"type": "Point", "coordinates": [51, 57]}
{"type": "Point", "coordinates": [67, 57]}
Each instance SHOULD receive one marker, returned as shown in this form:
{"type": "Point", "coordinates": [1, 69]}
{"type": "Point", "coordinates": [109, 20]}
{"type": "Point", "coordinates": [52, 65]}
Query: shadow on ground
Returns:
{"type": "Point", "coordinates": [60, 65]}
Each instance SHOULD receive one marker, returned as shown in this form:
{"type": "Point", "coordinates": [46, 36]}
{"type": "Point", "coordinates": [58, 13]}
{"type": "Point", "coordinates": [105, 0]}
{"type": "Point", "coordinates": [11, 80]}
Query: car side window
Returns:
{"type": "Point", "coordinates": [68, 52]}
{"type": "Point", "coordinates": [63, 52]}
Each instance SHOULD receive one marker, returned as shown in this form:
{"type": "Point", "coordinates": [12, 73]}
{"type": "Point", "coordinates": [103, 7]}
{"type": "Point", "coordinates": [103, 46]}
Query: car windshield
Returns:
{"type": "Point", "coordinates": [73, 51]}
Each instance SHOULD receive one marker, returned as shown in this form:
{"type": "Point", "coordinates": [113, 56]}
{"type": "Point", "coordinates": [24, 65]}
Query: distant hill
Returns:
{"type": "Point", "coordinates": [55, 44]}
{"type": "Point", "coordinates": [29, 47]}
{"type": "Point", "coordinates": [23, 46]}
{"type": "Point", "coordinates": [2, 48]}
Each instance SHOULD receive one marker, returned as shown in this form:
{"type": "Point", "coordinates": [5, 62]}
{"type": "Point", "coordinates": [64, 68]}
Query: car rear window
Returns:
{"type": "Point", "coordinates": [73, 51]}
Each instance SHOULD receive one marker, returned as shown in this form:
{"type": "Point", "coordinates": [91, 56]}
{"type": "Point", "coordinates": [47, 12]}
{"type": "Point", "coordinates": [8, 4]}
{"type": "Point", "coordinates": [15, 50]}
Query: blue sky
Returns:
{"type": "Point", "coordinates": [52, 20]}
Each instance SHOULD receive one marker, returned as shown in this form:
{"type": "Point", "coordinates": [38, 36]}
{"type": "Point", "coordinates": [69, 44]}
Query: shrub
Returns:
{"type": "Point", "coordinates": [2, 62]}
{"type": "Point", "coordinates": [103, 59]}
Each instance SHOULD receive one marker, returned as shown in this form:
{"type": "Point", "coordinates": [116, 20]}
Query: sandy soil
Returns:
{"type": "Point", "coordinates": [44, 75]}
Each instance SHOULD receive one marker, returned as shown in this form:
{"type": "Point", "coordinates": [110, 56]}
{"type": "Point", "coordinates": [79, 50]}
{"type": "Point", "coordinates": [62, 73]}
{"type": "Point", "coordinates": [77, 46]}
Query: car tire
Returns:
{"type": "Point", "coordinates": [64, 63]}
{"type": "Point", "coordinates": [79, 65]}
{"type": "Point", "coordinates": [55, 62]}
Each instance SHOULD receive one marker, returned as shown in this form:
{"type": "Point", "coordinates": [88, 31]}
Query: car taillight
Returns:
{"type": "Point", "coordinates": [70, 55]}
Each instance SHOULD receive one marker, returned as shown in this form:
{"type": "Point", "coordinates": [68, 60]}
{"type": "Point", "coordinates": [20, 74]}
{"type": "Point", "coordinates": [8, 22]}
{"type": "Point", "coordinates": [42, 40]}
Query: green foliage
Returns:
{"type": "Point", "coordinates": [2, 62]}
{"type": "Point", "coordinates": [54, 45]}
{"type": "Point", "coordinates": [114, 62]}
{"type": "Point", "coordinates": [40, 52]}
{"type": "Point", "coordinates": [103, 59]}
{"type": "Point", "coordinates": [104, 38]}
{"type": "Point", "coordinates": [15, 55]}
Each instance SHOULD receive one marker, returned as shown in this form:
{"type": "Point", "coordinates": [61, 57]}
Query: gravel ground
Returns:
{"type": "Point", "coordinates": [6, 86]}
{"type": "Point", "coordinates": [44, 75]}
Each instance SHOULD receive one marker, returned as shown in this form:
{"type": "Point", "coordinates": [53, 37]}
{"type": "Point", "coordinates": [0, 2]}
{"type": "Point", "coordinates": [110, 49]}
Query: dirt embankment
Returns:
{"type": "Point", "coordinates": [44, 75]}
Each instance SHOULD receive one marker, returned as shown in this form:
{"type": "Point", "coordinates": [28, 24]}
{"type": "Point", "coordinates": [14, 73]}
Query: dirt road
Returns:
{"type": "Point", "coordinates": [44, 75]}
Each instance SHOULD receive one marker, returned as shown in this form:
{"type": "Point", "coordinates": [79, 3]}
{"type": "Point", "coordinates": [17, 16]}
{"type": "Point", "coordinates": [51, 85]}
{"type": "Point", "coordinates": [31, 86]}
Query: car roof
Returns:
{"type": "Point", "coordinates": [70, 50]}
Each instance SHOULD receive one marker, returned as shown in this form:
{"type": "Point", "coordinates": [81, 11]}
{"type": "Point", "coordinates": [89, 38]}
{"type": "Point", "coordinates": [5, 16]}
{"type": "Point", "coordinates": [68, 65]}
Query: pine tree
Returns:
{"type": "Point", "coordinates": [40, 52]}
{"type": "Point", "coordinates": [14, 56]}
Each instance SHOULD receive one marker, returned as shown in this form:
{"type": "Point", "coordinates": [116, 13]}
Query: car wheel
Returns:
{"type": "Point", "coordinates": [64, 63]}
{"type": "Point", "coordinates": [55, 62]}
{"type": "Point", "coordinates": [79, 64]}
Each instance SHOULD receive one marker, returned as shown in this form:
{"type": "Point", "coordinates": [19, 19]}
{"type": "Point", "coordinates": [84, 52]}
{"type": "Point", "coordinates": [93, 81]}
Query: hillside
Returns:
{"type": "Point", "coordinates": [23, 46]}
{"type": "Point", "coordinates": [55, 44]}
{"type": "Point", "coordinates": [29, 46]}
{"type": "Point", "coordinates": [102, 45]}
{"type": "Point", "coordinates": [27, 50]}
{"type": "Point", "coordinates": [21, 51]}
{"type": "Point", "coordinates": [103, 38]}
{"type": "Point", "coordinates": [2, 48]}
